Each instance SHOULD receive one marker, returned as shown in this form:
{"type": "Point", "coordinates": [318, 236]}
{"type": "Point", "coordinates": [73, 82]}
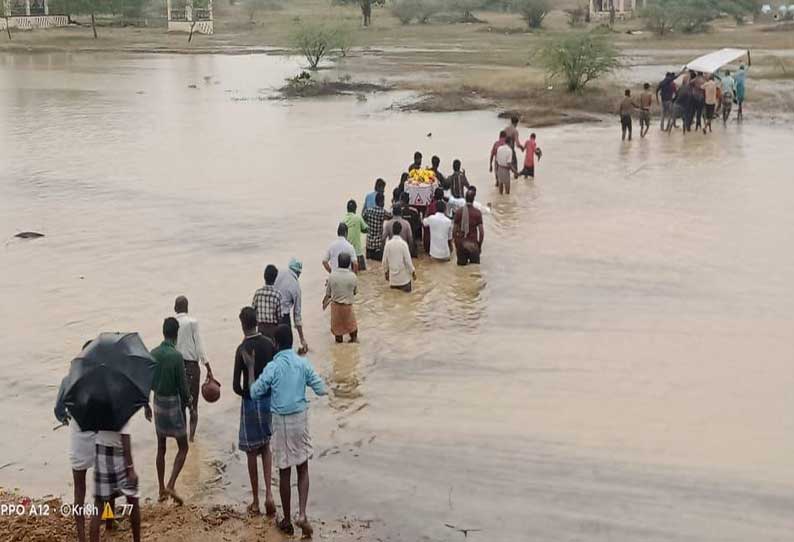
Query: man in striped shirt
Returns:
{"type": "Point", "coordinates": [374, 217]}
{"type": "Point", "coordinates": [267, 302]}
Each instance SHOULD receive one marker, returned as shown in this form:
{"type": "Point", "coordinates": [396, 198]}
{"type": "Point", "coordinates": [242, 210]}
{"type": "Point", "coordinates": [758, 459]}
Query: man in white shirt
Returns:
{"type": "Point", "coordinates": [504, 166]}
{"type": "Point", "coordinates": [331, 260]}
{"type": "Point", "coordinates": [397, 263]}
{"type": "Point", "coordinates": [440, 233]}
{"type": "Point", "coordinates": [190, 345]}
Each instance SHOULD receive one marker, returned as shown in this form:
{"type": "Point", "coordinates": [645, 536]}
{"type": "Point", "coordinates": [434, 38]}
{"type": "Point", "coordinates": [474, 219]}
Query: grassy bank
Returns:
{"type": "Point", "coordinates": [454, 66]}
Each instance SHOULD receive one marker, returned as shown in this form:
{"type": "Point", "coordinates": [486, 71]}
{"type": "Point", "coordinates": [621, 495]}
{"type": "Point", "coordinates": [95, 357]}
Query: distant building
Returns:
{"type": "Point", "coordinates": [601, 9]}
{"type": "Point", "coordinates": [185, 16]}
{"type": "Point", "coordinates": [30, 14]}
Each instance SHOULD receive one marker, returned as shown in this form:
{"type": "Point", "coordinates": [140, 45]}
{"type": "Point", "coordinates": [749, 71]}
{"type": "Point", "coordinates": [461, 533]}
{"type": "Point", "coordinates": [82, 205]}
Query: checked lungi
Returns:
{"type": "Point", "coordinates": [110, 474]}
{"type": "Point", "coordinates": [254, 424]}
{"type": "Point", "coordinates": [169, 417]}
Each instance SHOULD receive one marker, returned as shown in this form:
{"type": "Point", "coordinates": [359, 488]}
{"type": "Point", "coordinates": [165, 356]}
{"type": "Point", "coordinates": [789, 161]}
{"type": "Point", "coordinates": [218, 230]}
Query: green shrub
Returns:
{"type": "Point", "coordinates": [317, 40]}
{"type": "Point", "coordinates": [578, 59]}
{"type": "Point", "coordinates": [532, 11]}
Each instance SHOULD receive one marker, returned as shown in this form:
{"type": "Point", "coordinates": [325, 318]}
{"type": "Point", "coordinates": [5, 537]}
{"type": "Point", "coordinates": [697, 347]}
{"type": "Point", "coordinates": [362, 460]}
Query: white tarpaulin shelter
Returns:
{"type": "Point", "coordinates": [712, 62]}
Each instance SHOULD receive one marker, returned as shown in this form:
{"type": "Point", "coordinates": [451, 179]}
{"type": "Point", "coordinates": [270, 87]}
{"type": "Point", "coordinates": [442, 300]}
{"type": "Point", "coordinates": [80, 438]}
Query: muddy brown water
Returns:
{"type": "Point", "coordinates": [619, 367]}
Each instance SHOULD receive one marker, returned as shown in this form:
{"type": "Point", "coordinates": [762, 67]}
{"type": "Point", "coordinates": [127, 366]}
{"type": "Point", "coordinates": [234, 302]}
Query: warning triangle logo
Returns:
{"type": "Point", "coordinates": [107, 512]}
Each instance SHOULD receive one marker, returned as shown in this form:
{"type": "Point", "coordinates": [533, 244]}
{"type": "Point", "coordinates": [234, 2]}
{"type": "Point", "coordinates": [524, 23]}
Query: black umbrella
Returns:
{"type": "Point", "coordinates": [109, 381]}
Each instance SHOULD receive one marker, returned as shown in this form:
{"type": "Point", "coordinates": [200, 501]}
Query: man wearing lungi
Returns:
{"type": "Point", "coordinates": [254, 434]}
{"type": "Point", "coordinates": [340, 292]}
{"type": "Point", "coordinates": [114, 475]}
{"type": "Point", "coordinates": [286, 378]}
{"type": "Point", "coordinates": [171, 397]}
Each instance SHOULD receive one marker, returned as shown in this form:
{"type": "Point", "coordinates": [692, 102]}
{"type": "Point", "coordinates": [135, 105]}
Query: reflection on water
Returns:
{"type": "Point", "coordinates": [616, 369]}
{"type": "Point", "coordinates": [344, 377]}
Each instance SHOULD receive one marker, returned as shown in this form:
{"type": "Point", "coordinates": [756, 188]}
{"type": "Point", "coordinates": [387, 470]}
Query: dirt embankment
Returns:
{"type": "Point", "coordinates": [545, 106]}
{"type": "Point", "coordinates": [166, 523]}
{"type": "Point", "coordinates": [305, 85]}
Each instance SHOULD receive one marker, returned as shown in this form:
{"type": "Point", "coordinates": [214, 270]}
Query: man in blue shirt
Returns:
{"type": "Point", "coordinates": [369, 200]}
{"type": "Point", "coordinates": [286, 379]}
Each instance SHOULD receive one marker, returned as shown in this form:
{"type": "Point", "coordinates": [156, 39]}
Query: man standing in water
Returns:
{"type": "Point", "coordinates": [412, 216]}
{"type": "Point", "coordinates": [495, 147]}
{"type": "Point", "coordinates": [468, 231]}
{"type": "Point", "coordinates": [682, 107]}
{"type": "Point", "coordinates": [369, 200]}
{"type": "Point", "coordinates": [512, 138]}
{"type": "Point", "coordinates": [291, 299]}
{"type": "Point", "coordinates": [440, 233]}
{"type": "Point", "coordinates": [171, 396]}
{"type": "Point", "coordinates": [267, 302]}
{"type": "Point", "coordinates": [405, 229]}
{"type": "Point", "coordinates": [646, 101]}
{"type": "Point", "coordinates": [355, 227]}
{"type": "Point", "coordinates": [435, 163]}
{"type": "Point", "coordinates": [457, 182]}
{"type": "Point", "coordinates": [740, 82]}
{"type": "Point", "coordinates": [531, 150]}
{"type": "Point", "coordinates": [397, 264]}
{"type": "Point", "coordinates": [375, 217]}
{"type": "Point", "coordinates": [255, 418]}
{"type": "Point", "coordinates": [191, 347]}
{"type": "Point", "coordinates": [728, 93]}
{"type": "Point", "coordinates": [667, 90]}
{"type": "Point", "coordinates": [286, 379]}
{"type": "Point", "coordinates": [504, 166]}
{"type": "Point", "coordinates": [331, 260]}
{"type": "Point", "coordinates": [710, 102]}
{"type": "Point", "coordinates": [340, 293]}
{"type": "Point", "coordinates": [417, 163]}
{"type": "Point", "coordinates": [627, 105]}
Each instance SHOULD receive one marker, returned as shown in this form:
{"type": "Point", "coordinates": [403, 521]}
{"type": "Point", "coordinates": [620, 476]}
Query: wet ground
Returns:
{"type": "Point", "coordinates": [617, 369]}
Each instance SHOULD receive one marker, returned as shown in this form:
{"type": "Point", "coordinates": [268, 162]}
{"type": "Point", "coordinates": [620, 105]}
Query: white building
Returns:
{"type": "Point", "coordinates": [183, 17]}
{"type": "Point", "coordinates": [30, 14]}
{"type": "Point", "coordinates": [601, 9]}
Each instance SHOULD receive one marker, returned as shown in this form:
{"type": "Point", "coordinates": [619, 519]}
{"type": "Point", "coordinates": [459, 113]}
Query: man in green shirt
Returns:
{"type": "Point", "coordinates": [355, 227]}
{"type": "Point", "coordinates": [171, 397]}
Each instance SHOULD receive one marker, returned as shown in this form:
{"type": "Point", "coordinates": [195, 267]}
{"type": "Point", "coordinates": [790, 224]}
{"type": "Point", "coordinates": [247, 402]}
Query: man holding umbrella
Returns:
{"type": "Point", "coordinates": [107, 384]}
{"type": "Point", "coordinates": [171, 396]}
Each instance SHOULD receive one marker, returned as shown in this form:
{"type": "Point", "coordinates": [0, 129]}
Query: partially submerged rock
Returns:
{"type": "Point", "coordinates": [29, 235]}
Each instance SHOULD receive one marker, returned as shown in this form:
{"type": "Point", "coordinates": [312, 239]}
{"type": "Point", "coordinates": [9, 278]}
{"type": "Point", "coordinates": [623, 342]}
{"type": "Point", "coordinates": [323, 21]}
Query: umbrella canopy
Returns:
{"type": "Point", "coordinates": [109, 381]}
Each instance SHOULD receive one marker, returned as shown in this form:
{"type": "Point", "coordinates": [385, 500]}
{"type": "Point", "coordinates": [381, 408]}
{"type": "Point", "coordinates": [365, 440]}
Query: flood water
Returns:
{"type": "Point", "coordinates": [619, 368]}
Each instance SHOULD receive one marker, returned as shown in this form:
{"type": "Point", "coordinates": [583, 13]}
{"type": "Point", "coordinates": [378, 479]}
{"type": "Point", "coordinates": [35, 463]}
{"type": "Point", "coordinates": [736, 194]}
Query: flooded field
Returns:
{"type": "Point", "coordinates": [618, 369]}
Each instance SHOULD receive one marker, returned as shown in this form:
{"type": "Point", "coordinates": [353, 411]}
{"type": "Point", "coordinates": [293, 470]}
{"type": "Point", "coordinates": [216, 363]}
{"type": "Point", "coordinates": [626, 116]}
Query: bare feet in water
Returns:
{"type": "Point", "coordinates": [305, 527]}
{"type": "Point", "coordinates": [270, 509]}
{"type": "Point", "coordinates": [253, 509]}
{"type": "Point", "coordinates": [285, 526]}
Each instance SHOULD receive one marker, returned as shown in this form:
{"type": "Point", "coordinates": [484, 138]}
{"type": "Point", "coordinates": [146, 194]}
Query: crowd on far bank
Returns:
{"type": "Point", "coordinates": [693, 97]}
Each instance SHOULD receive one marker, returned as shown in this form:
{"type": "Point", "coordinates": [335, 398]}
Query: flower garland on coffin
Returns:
{"type": "Point", "coordinates": [421, 186]}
